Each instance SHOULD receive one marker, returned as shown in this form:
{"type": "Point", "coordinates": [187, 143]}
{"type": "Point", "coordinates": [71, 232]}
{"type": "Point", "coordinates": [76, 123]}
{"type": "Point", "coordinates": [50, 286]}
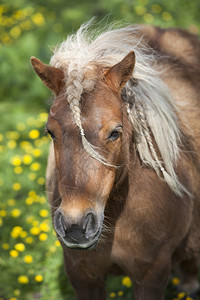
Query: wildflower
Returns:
{"type": "Point", "coordinates": [175, 281]}
{"type": "Point", "coordinates": [43, 237]}
{"type": "Point", "coordinates": [189, 298]}
{"type": "Point", "coordinates": [43, 116]}
{"type": "Point", "coordinates": [181, 295]}
{"type": "Point", "coordinates": [11, 144]}
{"type": "Point", "coordinates": [16, 292]}
{"type": "Point", "coordinates": [35, 166]}
{"type": "Point", "coordinates": [126, 282]}
{"type": "Point", "coordinates": [16, 161]}
{"type": "Point", "coordinates": [27, 159]}
{"type": "Point", "coordinates": [23, 279]}
{"type": "Point", "coordinates": [35, 230]}
{"type": "Point", "coordinates": [11, 202]}
{"type": "Point", "coordinates": [16, 231]}
{"type": "Point", "coordinates": [148, 18]}
{"type": "Point", "coordinates": [41, 180]}
{"type": "Point", "coordinates": [21, 126]}
{"type": "Point", "coordinates": [38, 19]}
{"type": "Point", "coordinates": [34, 134]}
{"type": "Point", "coordinates": [5, 246]}
{"type": "Point", "coordinates": [29, 240]}
{"type": "Point", "coordinates": [43, 213]}
{"type": "Point", "coordinates": [28, 259]}
{"type": "Point", "coordinates": [166, 16]}
{"type": "Point", "coordinates": [156, 8]}
{"type": "Point", "coordinates": [23, 234]}
{"type": "Point", "coordinates": [14, 253]}
{"type": "Point", "coordinates": [13, 298]}
{"type": "Point", "coordinates": [112, 295]}
{"type": "Point", "coordinates": [18, 170]}
{"type": "Point", "coordinates": [20, 247]}
{"type": "Point", "coordinates": [16, 186]}
{"type": "Point", "coordinates": [57, 243]}
{"type": "Point", "coordinates": [1, 137]}
{"type": "Point", "coordinates": [44, 227]}
{"type": "Point", "coordinates": [140, 10]}
{"type": "Point", "coordinates": [32, 176]}
{"type": "Point", "coordinates": [16, 213]}
{"type": "Point", "coordinates": [37, 152]}
{"type": "Point", "coordinates": [3, 213]}
{"type": "Point", "coordinates": [38, 278]}
{"type": "Point", "coordinates": [42, 200]}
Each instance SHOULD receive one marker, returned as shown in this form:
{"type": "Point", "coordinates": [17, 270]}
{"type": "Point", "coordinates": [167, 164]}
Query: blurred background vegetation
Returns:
{"type": "Point", "coordinates": [30, 257]}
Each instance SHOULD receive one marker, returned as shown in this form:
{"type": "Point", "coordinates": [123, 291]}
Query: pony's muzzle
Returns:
{"type": "Point", "coordinates": [80, 233]}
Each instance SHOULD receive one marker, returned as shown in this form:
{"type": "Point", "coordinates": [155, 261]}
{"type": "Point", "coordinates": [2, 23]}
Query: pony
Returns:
{"type": "Point", "coordinates": [123, 172]}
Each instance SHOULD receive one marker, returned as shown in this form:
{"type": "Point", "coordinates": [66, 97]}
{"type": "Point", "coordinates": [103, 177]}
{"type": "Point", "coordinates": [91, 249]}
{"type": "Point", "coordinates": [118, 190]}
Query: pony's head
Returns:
{"type": "Point", "coordinates": [86, 125]}
{"type": "Point", "coordinates": [105, 87]}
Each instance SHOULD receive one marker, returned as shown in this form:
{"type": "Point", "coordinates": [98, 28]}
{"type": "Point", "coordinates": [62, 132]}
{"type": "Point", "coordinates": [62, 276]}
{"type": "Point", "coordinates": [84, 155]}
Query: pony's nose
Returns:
{"type": "Point", "coordinates": [76, 232]}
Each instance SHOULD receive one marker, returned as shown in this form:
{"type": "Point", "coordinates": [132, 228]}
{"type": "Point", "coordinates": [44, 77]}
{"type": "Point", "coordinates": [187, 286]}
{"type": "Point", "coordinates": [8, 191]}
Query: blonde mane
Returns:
{"type": "Point", "coordinates": [150, 108]}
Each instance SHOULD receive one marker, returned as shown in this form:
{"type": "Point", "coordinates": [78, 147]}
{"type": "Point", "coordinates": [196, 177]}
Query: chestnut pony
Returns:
{"type": "Point", "coordinates": [123, 173]}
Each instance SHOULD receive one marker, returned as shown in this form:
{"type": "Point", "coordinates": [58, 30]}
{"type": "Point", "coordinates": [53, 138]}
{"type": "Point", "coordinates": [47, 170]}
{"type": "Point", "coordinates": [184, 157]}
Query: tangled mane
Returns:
{"type": "Point", "coordinates": [150, 108]}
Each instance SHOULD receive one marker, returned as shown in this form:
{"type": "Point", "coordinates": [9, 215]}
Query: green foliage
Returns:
{"type": "Point", "coordinates": [28, 246]}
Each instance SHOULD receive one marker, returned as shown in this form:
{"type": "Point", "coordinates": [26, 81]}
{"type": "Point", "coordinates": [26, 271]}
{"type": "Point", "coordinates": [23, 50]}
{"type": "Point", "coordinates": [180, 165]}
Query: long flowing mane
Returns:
{"type": "Point", "coordinates": [150, 107]}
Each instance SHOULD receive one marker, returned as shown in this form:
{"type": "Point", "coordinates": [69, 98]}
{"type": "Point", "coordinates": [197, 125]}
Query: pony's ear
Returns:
{"type": "Point", "coordinates": [51, 77]}
{"type": "Point", "coordinates": [119, 74]}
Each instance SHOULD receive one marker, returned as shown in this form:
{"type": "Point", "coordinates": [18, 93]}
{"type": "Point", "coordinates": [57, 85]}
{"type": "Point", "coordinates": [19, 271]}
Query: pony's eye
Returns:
{"type": "Point", "coordinates": [115, 134]}
{"type": "Point", "coordinates": [51, 134]}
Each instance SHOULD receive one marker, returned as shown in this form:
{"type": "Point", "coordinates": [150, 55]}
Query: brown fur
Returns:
{"type": "Point", "coordinates": [146, 226]}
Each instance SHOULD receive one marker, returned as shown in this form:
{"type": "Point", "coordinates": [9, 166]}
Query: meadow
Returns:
{"type": "Point", "coordinates": [31, 264]}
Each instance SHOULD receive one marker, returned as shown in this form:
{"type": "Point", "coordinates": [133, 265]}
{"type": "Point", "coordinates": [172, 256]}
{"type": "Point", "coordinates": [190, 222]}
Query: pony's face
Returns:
{"type": "Point", "coordinates": [85, 183]}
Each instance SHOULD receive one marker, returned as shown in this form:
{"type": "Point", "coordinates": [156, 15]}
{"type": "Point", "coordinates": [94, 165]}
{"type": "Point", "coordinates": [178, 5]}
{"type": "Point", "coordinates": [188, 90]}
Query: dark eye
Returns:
{"type": "Point", "coordinates": [50, 134]}
{"type": "Point", "coordinates": [115, 134]}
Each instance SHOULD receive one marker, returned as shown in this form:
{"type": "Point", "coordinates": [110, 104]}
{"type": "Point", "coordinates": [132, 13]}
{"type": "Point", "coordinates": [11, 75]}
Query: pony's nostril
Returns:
{"type": "Point", "coordinates": [59, 224]}
{"type": "Point", "coordinates": [90, 225]}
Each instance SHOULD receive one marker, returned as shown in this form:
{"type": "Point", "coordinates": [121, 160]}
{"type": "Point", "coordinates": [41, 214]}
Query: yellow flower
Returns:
{"type": "Point", "coordinates": [38, 19]}
{"type": "Point", "coordinates": [140, 10]}
{"type": "Point", "coordinates": [29, 201]}
{"type": "Point", "coordinates": [16, 161]}
{"type": "Point", "coordinates": [15, 32]}
{"type": "Point", "coordinates": [23, 279]}
{"type": "Point", "coordinates": [20, 247]}
{"type": "Point", "coordinates": [21, 126]}
{"type": "Point", "coordinates": [11, 202]}
{"type": "Point", "coordinates": [148, 18]}
{"type": "Point", "coordinates": [16, 213]}
{"type": "Point", "coordinates": [16, 292]}
{"type": "Point", "coordinates": [44, 227]}
{"type": "Point", "coordinates": [29, 240]}
{"type": "Point", "coordinates": [41, 180]}
{"type": "Point", "coordinates": [23, 234]}
{"type": "Point", "coordinates": [35, 230]}
{"type": "Point", "coordinates": [38, 278]}
{"type": "Point", "coordinates": [112, 295]}
{"type": "Point", "coordinates": [37, 152]}
{"type": "Point", "coordinates": [181, 295]}
{"type": "Point", "coordinates": [34, 134]}
{"type": "Point", "coordinates": [18, 170]}
{"type": "Point", "coordinates": [35, 166]}
{"type": "Point", "coordinates": [175, 281]}
{"type": "Point", "coordinates": [27, 159]}
{"type": "Point", "coordinates": [28, 259]}
{"type": "Point", "coordinates": [13, 298]}
{"type": "Point", "coordinates": [5, 246]}
{"type": "Point", "coordinates": [11, 144]}
{"type": "Point", "coordinates": [189, 298]}
{"type": "Point", "coordinates": [1, 137]}
{"type": "Point", "coordinates": [57, 243]}
{"type": "Point", "coordinates": [14, 253]}
{"type": "Point", "coordinates": [126, 281]}
{"type": "Point", "coordinates": [156, 8]}
{"type": "Point", "coordinates": [43, 237]}
{"type": "Point", "coordinates": [43, 116]}
{"type": "Point", "coordinates": [12, 135]}
{"type": "Point", "coordinates": [16, 186]}
{"type": "Point", "coordinates": [43, 213]}
{"type": "Point", "coordinates": [1, 222]}
{"type": "Point", "coordinates": [3, 213]}
{"type": "Point", "coordinates": [166, 16]}
{"type": "Point", "coordinates": [32, 176]}
{"type": "Point", "coordinates": [16, 231]}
